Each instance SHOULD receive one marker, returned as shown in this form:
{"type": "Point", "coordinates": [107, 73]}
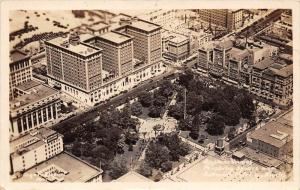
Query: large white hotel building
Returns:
{"type": "Point", "coordinates": [102, 66]}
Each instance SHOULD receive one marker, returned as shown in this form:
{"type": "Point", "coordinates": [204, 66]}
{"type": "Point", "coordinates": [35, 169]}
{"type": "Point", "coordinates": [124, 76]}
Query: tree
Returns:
{"type": "Point", "coordinates": [118, 168]}
{"type": "Point", "coordinates": [166, 89]}
{"type": "Point", "coordinates": [156, 154]}
{"type": "Point", "coordinates": [136, 108]}
{"type": "Point", "coordinates": [194, 134]}
{"type": "Point", "coordinates": [76, 149]}
{"type": "Point", "coordinates": [146, 99]}
{"type": "Point", "coordinates": [246, 105]}
{"type": "Point", "coordinates": [145, 170]}
{"type": "Point", "coordinates": [231, 133]}
{"type": "Point", "coordinates": [230, 112]}
{"type": "Point", "coordinates": [159, 100]}
{"type": "Point", "coordinates": [176, 111]}
{"type": "Point", "coordinates": [166, 166]}
{"type": "Point", "coordinates": [155, 111]}
{"type": "Point", "coordinates": [216, 125]}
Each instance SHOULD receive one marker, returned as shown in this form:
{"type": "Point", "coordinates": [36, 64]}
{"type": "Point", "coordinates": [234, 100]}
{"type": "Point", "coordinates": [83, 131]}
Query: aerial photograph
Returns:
{"type": "Point", "coordinates": [165, 95]}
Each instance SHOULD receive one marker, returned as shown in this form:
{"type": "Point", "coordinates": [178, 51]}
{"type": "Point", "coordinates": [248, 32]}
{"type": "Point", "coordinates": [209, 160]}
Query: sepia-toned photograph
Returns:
{"type": "Point", "coordinates": [150, 95]}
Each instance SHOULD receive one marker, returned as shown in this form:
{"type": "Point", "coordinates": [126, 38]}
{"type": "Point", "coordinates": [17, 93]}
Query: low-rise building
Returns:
{"type": "Point", "coordinates": [274, 139]}
{"type": "Point", "coordinates": [98, 28]}
{"type": "Point", "coordinates": [273, 81]}
{"type": "Point", "coordinates": [35, 105]}
{"type": "Point", "coordinates": [63, 167]}
{"type": "Point", "coordinates": [33, 148]}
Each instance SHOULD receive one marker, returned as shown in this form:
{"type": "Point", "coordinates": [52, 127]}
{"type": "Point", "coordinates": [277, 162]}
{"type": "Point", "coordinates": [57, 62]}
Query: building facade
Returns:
{"type": "Point", "coordinates": [273, 81]}
{"type": "Point", "coordinates": [34, 148]}
{"type": "Point", "coordinates": [176, 47]}
{"type": "Point", "coordinates": [251, 65]}
{"type": "Point", "coordinates": [73, 66]}
{"type": "Point", "coordinates": [36, 105]}
{"type": "Point", "coordinates": [273, 139]}
{"type": "Point", "coordinates": [230, 19]}
{"type": "Point", "coordinates": [117, 56]}
{"type": "Point", "coordinates": [147, 41]}
{"type": "Point", "coordinates": [20, 70]}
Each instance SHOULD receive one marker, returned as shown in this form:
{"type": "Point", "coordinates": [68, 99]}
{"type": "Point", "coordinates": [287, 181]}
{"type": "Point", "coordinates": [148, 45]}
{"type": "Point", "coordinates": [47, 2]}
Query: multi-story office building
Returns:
{"type": "Point", "coordinates": [35, 105]}
{"type": "Point", "coordinates": [147, 40]}
{"type": "Point", "coordinates": [176, 47]}
{"type": "Point", "coordinates": [34, 148]}
{"type": "Point", "coordinates": [73, 66]}
{"type": "Point", "coordinates": [247, 64]}
{"type": "Point", "coordinates": [20, 70]}
{"type": "Point", "coordinates": [273, 81]}
{"type": "Point", "coordinates": [274, 139]}
{"type": "Point", "coordinates": [117, 54]}
{"type": "Point", "coordinates": [230, 19]}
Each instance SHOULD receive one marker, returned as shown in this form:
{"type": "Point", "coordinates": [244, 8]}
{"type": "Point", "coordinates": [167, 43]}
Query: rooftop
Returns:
{"type": "Point", "coordinates": [144, 25]}
{"type": "Point", "coordinates": [28, 85]}
{"type": "Point", "coordinates": [264, 64]}
{"type": "Point", "coordinates": [115, 37]}
{"type": "Point", "coordinates": [81, 48]}
{"type": "Point", "coordinates": [133, 176]}
{"type": "Point", "coordinates": [17, 55]}
{"type": "Point", "coordinates": [178, 38]}
{"type": "Point", "coordinates": [30, 141]}
{"type": "Point", "coordinates": [239, 53]}
{"type": "Point", "coordinates": [273, 133]}
{"type": "Point", "coordinates": [283, 71]}
{"type": "Point", "coordinates": [98, 26]}
{"type": "Point", "coordinates": [35, 94]}
{"type": "Point", "coordinates": [76, 170]}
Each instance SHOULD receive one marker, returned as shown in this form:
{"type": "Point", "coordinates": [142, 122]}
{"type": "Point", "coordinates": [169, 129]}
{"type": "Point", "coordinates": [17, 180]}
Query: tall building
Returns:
{"type": "Point", "coordinates": [117, 54]}
{"type": "Point", "coordinates": [230, 19]}
{"type": "Point", "coordinates": [73, 66]}
{"type": "Point", "coordinates": [36, 105]}
{"type": "Point", "coordinates": [34, 148]}
{"type": "Point", "coordinates": [147, 42]}
{"type": "Point", "coordinates": [20, 70]}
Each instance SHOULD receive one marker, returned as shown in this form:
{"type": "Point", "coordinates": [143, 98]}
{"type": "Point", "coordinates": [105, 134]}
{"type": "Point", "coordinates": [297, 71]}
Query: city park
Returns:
{"type": "Point", "coordinates": [146, 133]}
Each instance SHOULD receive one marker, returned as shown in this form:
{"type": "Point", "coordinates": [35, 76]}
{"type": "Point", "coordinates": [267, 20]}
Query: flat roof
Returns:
{"type": "Point", "coordinates": [273, 133]}
{"type": "Point", "coordinates": [28, 85]}
{"type": "Point", "coordinates": [37, 93]}
{"type": "Point", "coordinates": [133, 176]}
{"type": "Point", "coordinates": [283, 71]}
{"type": "Point", "coordinates": [17, 55]}
{"type": "Point", "coordinates": [81, 48]}
{"type": "Point", "coordinates": [286, 119]}
{"type": "Point", "coordinates": [38, 134]}
{"type": "Point", "coordinates": [260, 157]}
{"type": "Point", "coordinates": [239, 53]}
{"type": "Point", "coordinates": [264, 64]}
{"type": "Point", "coordinates": [98, 26]}
{"type": "Point", "coordinates": [115, 37]}
{"type": "Point", "coordinates": [144, 25]}
{"type": "Point", "coordinates": [78, 170]}
{"type": "Point", "coordinates": [178, 38]}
